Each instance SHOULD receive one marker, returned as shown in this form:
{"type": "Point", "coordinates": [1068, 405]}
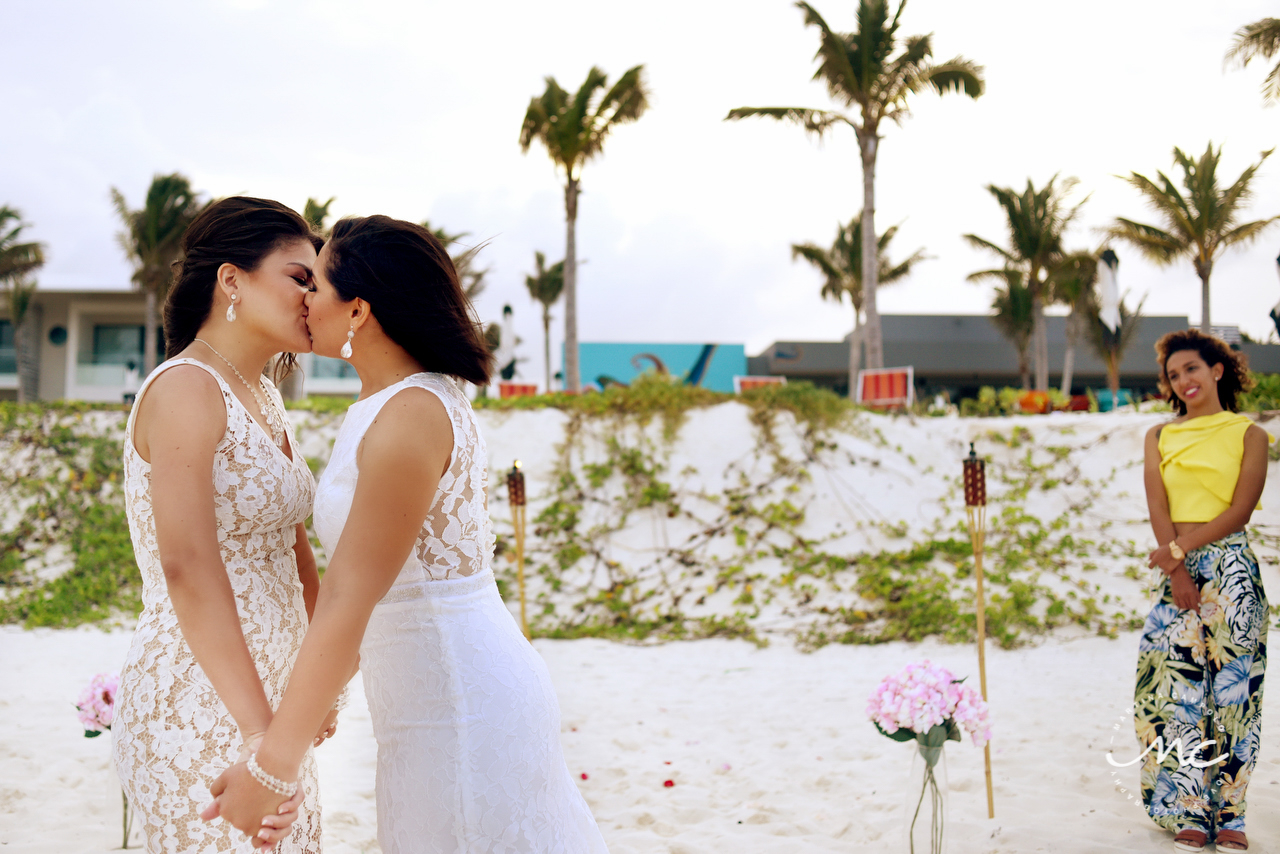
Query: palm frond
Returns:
{"type": "Point", "coordinates": [982, 243]}
{"type": "Point", "coordinates": [1247, 233]}
{"type": "Point", "coordinates": [834, 65]}
{"type": "Point", "coordinates": [1154, 243]}
{"type": "Point", "coordinates": [955, 75]}
{"type": "Point", "coordinates": [816, 122]}
{"type": "Point", "coordinates": [1259, 39]}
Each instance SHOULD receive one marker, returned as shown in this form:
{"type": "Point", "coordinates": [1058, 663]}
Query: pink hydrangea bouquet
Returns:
{"type": "Point", "coordinates": [97, 704]}
{"type": "Point", "coordinates": [927, 704]}
{"type": "Point", "coordinates": [913, 703]}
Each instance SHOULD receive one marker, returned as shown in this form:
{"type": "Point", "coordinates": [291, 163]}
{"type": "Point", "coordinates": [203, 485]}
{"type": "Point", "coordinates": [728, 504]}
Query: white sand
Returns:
{"type": "Point", "coordinates": [769, 749]}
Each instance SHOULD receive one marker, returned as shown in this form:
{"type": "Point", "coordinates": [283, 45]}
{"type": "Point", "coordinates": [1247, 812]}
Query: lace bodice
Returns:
{"type": "Point", "coordinates": [172, 733]}
{"type": "Point", "coordinates": [456, 539]}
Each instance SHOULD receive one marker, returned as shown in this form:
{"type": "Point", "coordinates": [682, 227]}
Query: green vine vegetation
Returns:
{"type": "Point", "coordinates": [64, 476]}
{"type": "Point", "coordinates": [645, 533]}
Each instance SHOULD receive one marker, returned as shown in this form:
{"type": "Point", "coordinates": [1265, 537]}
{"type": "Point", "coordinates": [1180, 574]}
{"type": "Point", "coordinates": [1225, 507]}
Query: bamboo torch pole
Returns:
{"type": "Point", "coordinates": [515, 494]}
{"type": "Point", "coordinates": [975, 506]}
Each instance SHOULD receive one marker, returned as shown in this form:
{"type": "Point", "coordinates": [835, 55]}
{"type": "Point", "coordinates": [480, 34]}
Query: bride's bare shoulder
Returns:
{"type": "Point", "coordinates": [183, 401]}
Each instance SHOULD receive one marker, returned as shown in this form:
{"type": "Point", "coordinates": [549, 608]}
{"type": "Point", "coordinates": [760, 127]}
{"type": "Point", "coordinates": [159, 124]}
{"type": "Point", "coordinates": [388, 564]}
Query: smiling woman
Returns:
{"type": "Point", "coordinates": [1204, 646]}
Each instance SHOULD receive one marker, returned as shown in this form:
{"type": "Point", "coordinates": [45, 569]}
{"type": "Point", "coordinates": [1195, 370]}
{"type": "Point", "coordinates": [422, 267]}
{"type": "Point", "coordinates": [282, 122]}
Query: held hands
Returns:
{"type": "Point", "coordinates": [251, 808]}
{"type": "Point", "coordinates": [1186, 595]}
{"type": "Point", "coordinates": [1164, 559]}
{"type": "Point", "coordinates": [327, 728]}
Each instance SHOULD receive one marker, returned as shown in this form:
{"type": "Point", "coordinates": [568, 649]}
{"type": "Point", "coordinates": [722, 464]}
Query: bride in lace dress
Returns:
{"type": "Point", "coordinates": [464, 712]}
{"type": "Point", "coordinates": [216, 494]}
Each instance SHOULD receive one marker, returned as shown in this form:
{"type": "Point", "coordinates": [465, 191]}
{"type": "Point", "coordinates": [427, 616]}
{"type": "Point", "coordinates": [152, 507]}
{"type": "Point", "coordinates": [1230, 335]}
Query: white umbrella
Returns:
{"type": "Point", "coordinates": [505, 356]}
{"type": "Point", "coordinates": [1108, 290]}
{"type": "Point", "coordinates": [1275, 312]}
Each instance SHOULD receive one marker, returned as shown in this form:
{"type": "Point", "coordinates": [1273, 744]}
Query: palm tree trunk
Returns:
{"type": "Point", "coordinates": [1024, 368]}
{"type": "Point", "coordinates": [149, 334]}
{"type": "Point", "coordinates": [868, 143]}
{"type": "Point", "coordinates": [546, 343]}
{"type": "Point", "coordinates": [1039, 340]}
{"type": "Point", "coordinates": [572, 380]}
{"type": "Point", "coordinates": [1069, 361]}
{"type": "Point", "coordinates": [1204, 301]}
{"type": "Point", "coordinates": [855, 354]}
{"type": "Point", "coordinates": [26, 341]}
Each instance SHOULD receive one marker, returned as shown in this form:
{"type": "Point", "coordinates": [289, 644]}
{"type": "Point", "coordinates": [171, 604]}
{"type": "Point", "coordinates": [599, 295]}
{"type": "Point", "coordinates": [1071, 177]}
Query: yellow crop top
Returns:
{"type": "Point", "coordinates": [1200, 464]}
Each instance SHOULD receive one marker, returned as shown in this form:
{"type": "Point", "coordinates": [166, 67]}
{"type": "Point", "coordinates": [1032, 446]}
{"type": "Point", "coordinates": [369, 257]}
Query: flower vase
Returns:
{"type": "Point", "coordinates": [119, 817]}
{"type": "Point", "coordinates": [925, 824]}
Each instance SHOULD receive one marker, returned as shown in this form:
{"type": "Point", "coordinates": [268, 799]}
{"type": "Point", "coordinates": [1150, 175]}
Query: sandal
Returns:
{"type": "Point", "coordinates": [1191, 840]}
{"type": "Point", "coordinates": [1231, 840]}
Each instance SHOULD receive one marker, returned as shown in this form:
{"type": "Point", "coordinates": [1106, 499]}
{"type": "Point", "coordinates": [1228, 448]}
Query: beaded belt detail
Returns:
{"type": "Point", "coordinates": [446, 587]}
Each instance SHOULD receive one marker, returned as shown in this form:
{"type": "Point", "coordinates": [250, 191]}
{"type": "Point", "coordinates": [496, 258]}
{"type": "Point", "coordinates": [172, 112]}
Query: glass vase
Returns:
{"type": "Point", "coordinates": [119, 830]}
{"type": "Point", "coordinates": [925, 823]}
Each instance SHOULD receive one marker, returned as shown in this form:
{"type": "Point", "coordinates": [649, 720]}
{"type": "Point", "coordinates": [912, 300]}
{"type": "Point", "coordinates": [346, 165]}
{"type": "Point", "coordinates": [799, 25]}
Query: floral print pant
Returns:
{"type": "Point", "coordinates": [1200, 680]}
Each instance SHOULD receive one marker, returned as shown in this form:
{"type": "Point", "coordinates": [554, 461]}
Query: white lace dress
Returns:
{"type": "Point", "coordinates": [172, 733]}
{"type": "Point", "coordinates": [465, 715]}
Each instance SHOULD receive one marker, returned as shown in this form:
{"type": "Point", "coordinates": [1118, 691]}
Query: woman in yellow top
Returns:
{"type": "Point", "coordinates": [1203, 650]}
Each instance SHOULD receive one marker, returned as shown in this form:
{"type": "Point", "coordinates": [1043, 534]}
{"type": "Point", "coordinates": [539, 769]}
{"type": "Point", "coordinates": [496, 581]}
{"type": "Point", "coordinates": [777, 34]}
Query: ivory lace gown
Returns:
{"type": "Point", "coordinates": [463, 709]}
{"type": "Point", "coordinates": [172, 733]}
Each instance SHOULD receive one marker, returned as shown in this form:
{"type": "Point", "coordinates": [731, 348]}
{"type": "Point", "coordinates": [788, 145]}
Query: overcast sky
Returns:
{"type": "Point", "coordinates": [413, 109]}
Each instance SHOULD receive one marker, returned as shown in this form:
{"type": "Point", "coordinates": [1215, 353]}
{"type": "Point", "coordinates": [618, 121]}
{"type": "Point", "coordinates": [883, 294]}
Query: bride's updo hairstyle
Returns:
{"type": "Point", "coordinates": [238, 230]}
{"type": "Point", "coordinates": [410, 283]}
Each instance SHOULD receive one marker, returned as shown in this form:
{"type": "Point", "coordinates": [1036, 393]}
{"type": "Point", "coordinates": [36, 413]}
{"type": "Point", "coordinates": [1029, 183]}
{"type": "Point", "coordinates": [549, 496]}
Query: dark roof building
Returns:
{"type": "Point", "coordinates": [958, 354]}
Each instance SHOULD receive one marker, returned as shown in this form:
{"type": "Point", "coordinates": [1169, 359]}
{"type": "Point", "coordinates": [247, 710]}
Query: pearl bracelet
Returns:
{"type": "Point", "coordinates": [274, 784]}
{"type": "Point", "coordinates": [343, 699]}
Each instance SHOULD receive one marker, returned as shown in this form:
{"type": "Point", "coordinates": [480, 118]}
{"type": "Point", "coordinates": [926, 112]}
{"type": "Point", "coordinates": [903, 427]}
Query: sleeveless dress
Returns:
{"type": "Point", "coordinates": [463, 709]}
{"type": "Point", "coordinates": [172, 733]}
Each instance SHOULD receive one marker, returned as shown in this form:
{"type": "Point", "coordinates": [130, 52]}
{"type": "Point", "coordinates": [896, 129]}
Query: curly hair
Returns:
{"type": "Point", "coordinates": [1214, 351]}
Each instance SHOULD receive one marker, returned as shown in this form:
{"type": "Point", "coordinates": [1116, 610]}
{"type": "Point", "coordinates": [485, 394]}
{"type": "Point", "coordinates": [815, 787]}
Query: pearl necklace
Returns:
{"type": "Point", "coordinates": [269, 414]}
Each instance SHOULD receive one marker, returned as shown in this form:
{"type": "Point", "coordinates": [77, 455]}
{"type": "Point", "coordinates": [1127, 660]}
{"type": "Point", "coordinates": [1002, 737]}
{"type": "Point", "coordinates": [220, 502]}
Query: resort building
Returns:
{"type": "Point", "coordinates": [90, 348]}
{"type": "Point", "coordinates": [957, 354]}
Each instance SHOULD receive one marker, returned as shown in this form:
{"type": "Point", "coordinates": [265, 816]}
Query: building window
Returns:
{"type": "Point", "coordinates": [120, 344]}
{"type": "Point", "coordinates": [323, 367]}
{"type": "Point", "coordinates": [8, 349]}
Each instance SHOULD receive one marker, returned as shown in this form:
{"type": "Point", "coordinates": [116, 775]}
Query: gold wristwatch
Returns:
{"type": "Point", "coordinates": [1175, 550]}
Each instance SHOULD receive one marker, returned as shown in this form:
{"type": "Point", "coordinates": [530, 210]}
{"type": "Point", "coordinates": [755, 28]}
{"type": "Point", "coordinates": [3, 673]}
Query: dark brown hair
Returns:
{"type": "Point", "coordinates": [238, 230]}
{"type": "Point", "coordinates": [1214, 351]}
{"type": "Point", "coordinates": [409, 281]}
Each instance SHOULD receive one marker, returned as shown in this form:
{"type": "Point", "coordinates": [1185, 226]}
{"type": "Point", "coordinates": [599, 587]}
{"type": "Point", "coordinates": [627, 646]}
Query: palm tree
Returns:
{"type": "Point", "coordinates": [470, 275]}
{"type": "Point", "coordinates": [573, 130]}
{"type": "Point", "coordinates": [1036, 220]}
{"type": "Point", "coordinates": [1110, 345]}
{"type": "Point", "coordinates": [1261, 38]}
{"type": "Point", "coordinates": [152, 239]}
{"type": "Point", "coordinates": [1200, 225]}
{"type": "Point", "coordinates": [18, 260]}
{"type": "Point", "coordinates": [841, 266]}
{"type": "Point", "coordinates": [316, 213]}
{"type": "Point", "coordinates": [1013, 316]}
{"type": "Point", "coordinates": [546, 287]}
{"type": "Point", "coordinates": [875, 71]}
{"type": "Point", "coordinates": [1072, 283]}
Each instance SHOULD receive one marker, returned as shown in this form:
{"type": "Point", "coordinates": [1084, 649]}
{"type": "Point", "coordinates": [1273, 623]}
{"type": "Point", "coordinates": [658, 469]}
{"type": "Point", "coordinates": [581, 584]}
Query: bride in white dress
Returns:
{"type": "Point", "coordinates": [463, 709]}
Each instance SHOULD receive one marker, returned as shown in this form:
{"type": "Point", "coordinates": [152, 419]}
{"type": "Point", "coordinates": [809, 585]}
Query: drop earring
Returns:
{"type": "Point", "coordinates": [346, 348]}
{"type": "Point", "coordinates": [231, 310]}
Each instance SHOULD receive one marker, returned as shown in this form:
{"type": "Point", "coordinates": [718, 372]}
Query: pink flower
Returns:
{"type": "Point", "coordinates": [97, 703]}
{"type": "Point", "coordinates": [923, 695]}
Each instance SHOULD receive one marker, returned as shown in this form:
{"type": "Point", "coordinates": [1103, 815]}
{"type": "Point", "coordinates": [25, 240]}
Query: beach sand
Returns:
{"type": "Point", "coordinates": [769, 749]}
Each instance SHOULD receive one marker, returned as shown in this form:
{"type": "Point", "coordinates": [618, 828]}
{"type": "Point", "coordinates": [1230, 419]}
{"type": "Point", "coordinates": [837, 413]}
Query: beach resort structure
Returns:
{"type": "Point", "coordinates": [957, 354]}
{"type": "Point", "coordinates": [90, 348]}
{"type": "Point", "coordinates": [90, 337]}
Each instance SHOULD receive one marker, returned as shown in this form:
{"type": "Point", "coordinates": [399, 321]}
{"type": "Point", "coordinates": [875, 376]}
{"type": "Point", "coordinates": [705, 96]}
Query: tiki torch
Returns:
{"type": "Point", "coordinates": [515, 494]}
{"type": "Point", "coordinates": [975, 507]}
